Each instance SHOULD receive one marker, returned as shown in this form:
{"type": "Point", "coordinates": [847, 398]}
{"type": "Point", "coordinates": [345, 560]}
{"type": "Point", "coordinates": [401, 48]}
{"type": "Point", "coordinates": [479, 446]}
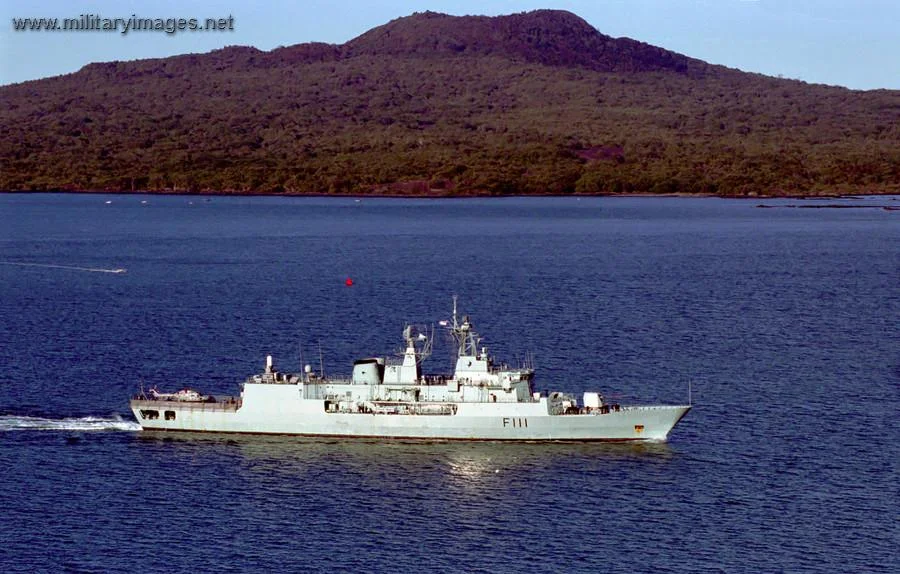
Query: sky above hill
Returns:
{"type": "Point", "coordinates": [852, 43]}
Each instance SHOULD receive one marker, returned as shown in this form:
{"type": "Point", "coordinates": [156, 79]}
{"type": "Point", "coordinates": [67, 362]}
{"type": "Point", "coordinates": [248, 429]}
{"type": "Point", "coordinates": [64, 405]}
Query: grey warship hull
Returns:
{"type": "Point", "coordinates": [388, 398]}
{"type": "Point", "coordinates": [291, 415]}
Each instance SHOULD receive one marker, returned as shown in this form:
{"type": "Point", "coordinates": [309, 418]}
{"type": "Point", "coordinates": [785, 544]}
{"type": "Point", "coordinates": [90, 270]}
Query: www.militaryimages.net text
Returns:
{"type": "Point", "coordinates": [97, 23]}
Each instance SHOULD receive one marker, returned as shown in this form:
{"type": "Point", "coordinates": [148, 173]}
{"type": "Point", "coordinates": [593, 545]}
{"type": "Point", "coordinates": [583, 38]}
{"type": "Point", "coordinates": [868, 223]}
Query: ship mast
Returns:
{"type": "Point", "coordinates": [464, 334]}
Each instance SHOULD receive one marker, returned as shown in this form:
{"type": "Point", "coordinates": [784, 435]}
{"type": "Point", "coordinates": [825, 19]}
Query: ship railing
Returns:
{"type": "Point", "coordinates": [653, 407]}
{"type": "Point", "coordinates": [399, 408]}
{"type": "Point", "coordinates": [275, 378]}
{"type": "Point", "coordinates": [609, 408]}
{"type": "Point", "coordinates": [222, 403]}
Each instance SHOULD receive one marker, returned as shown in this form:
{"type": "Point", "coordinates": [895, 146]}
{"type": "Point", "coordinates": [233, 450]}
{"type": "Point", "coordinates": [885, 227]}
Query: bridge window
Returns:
{"type": "Point", "coordinates": [170, 415]}
{"type": "Point", "coordinates": [149, 414]}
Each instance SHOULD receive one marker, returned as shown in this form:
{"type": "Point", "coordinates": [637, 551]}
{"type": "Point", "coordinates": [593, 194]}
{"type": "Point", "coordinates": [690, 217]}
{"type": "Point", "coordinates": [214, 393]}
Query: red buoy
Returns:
{"type": "Point", "coordinates": [348, 282]}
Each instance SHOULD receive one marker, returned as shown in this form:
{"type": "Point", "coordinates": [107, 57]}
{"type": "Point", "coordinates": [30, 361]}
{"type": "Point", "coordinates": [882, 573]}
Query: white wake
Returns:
{"type": "Point", "coordinates": [20, 423]}
{"type": "Point", "coordinates": [71, 267]}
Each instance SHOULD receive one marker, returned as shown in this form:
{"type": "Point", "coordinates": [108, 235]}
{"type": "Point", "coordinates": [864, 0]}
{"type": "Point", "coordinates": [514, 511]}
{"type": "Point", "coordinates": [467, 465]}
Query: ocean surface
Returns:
{"type": "Point", "coordinates": [782, 324]}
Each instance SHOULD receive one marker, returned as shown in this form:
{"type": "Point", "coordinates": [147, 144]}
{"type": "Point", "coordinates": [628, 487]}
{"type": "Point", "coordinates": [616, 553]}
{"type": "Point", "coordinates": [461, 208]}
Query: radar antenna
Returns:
{"type": "Point", "coordinates": [467, 339]}
{"type": "Point", "coordinates": [418, 341]}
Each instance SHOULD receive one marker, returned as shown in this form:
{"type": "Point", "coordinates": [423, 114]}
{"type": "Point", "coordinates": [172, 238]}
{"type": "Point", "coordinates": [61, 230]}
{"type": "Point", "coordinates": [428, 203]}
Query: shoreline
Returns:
{"type": "Point", "coordinates": [757, 197]}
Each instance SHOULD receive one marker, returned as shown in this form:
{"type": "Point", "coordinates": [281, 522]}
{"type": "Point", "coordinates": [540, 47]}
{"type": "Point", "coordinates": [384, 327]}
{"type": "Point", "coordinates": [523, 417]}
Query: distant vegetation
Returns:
{"type": "Point", "coordinates": [430, 104]}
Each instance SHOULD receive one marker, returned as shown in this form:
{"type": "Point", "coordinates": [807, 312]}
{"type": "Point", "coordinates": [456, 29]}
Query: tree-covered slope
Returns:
{"type": "Point", "coordinates": [529, 103]}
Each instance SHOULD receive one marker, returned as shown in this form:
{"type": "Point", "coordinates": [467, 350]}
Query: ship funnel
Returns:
{"type": "Point", "coordinates": [268, 363]}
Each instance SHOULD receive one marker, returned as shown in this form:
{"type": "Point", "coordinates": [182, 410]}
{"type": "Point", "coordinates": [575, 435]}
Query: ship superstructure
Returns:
{"type": "Point", "coordinates": [392, 398]}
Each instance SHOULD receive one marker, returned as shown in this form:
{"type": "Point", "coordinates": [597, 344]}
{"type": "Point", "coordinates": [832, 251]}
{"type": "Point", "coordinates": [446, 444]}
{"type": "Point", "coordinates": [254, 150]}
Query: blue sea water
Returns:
{"type": "Point", "coordinates": [783, 323]}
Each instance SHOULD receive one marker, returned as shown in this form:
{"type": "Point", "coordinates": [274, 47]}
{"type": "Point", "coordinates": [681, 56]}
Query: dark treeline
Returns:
{"type": "Point", "coordinates": [527, 104]}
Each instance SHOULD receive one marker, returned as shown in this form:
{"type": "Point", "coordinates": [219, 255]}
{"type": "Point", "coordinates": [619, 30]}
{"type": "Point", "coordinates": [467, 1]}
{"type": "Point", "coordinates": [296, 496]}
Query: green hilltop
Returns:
{"type": "Point", "coordinates": [430, 104]}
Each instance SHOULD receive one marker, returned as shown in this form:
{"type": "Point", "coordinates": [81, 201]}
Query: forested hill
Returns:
{"type": "Point", "coordinates": [529, 103]}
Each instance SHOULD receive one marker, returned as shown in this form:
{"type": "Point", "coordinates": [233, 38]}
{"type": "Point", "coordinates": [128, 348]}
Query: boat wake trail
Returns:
{"type": "Point", "coordinates": [70, 267]}
{"type": "Point", "coordinates": [22, 423]}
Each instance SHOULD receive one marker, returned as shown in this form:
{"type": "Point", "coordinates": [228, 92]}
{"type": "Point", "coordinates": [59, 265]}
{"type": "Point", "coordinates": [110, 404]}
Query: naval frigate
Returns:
{"type": "Point", "coordinates": [391, 398]}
